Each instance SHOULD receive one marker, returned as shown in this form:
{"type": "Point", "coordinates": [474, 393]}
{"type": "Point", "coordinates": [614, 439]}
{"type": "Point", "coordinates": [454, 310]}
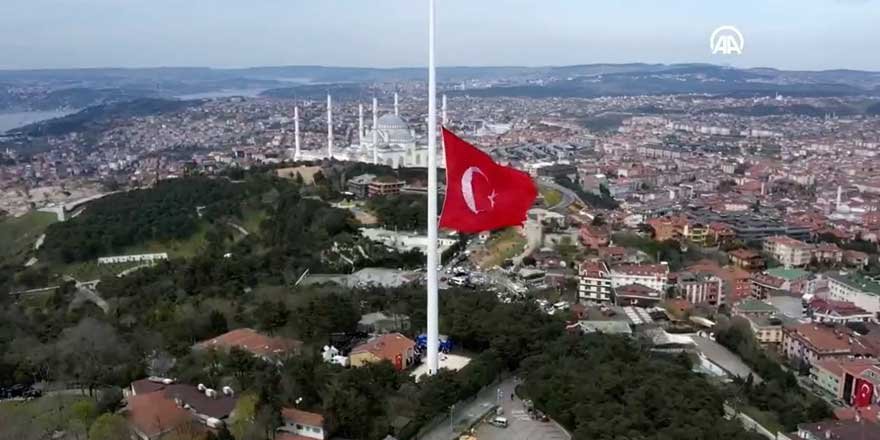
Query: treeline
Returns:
{"type": "Point", "coordinates": [779, 392]}
{"type": "Point", "coordinates": [406, 212]}
{"type": "Point", "coordinates": [169, 211]}
{"type": "Point", "coordinates": [607, 387]}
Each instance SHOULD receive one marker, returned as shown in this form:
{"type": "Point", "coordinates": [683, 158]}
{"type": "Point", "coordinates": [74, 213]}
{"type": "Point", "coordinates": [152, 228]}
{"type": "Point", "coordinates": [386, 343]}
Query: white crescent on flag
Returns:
{"type": "Point", "coordinates": [467, 188]}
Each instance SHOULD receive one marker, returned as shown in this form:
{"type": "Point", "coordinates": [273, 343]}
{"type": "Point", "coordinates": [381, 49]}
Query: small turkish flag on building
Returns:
{"type": "Point", "coordinates": [480, 194]}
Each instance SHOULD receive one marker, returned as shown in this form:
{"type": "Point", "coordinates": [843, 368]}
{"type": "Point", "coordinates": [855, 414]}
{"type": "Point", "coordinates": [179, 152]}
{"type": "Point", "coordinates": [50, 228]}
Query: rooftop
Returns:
{"type": "Point", "coordinates": [386, 346]}
{"type": "Point", "coordinates": [787, 274]}
{"type": "Point", "coordinates": [302, 417]}
{"type": "Point", "coordinates": [856, 281]}
{"type": "Point", "coordinates": [252, 341]}
{"type": "Point", "coordinates": [750, 305]}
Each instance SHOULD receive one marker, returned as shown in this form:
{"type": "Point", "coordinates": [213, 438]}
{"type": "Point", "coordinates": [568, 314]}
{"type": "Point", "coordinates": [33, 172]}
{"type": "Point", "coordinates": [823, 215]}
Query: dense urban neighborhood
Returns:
{"type": "Point", "coordinates": [696, 266]}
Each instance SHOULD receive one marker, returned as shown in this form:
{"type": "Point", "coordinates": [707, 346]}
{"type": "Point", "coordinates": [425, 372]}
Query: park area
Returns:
{"type": "Point", "coordinates": [500, 247]}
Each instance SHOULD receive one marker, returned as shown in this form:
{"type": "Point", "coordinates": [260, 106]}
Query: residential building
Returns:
{"type": "Point", "coordinates": [788, 251]}
{"type": "Point", "coordinates": [594, 237]}
{"type": "Point", "coordinates": [151, 404]}
{"type": "Point", "coordinates": [828, 375]}
{"type": "Point", "coordinates": [837, 312]}
{"type": "Point", "coordinates": [384, 185]}
{"type": "Point", "coordinates": [152, 416]}
{"type": "Point", "coordinates": [764, 286]}
{"type": "Point", "coordinates": [827, 253]}
{"type": "Point", "coordinates": [594, 283]}
{"type": "Point", "coordinates": [838, 430]}
{"type": "Point", "coordinates": [720, 233]}
{"type": "Point", "coordinates": [393, 347]}
{"type": "Point", "coordinates": [855, 258]}
{"type": "Point", "coordinates": [767, 330]}
{"type": "Point", "coordinates": [752, 307]}
{"type": "Point", "coordinates": [746, 259]}
{"type": "Point", "coordinates": [359, 185]}
{"type": "Point", "coordinates": [811, 343]}
{"type": "Point", "coordinates": [269, 348]}
{"type": "Point", "coordinates": [701, 288]}
{"type": "Point", "coordinates": [653, 276]}
{"type": "Point", "coordinates": [854, 288]}
{"type": "Point", "coordinates": [300, 425]}
{"type": "Point", "coordinates": [637, 295]}
{"type": "Point", "coordinates": [668, 228]}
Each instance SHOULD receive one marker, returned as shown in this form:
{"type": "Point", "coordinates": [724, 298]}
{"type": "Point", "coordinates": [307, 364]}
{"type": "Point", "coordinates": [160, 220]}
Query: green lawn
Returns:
{"type": "Point", "coordinates": [186, 248]}
{"type": "Point", "coordinates": [503, 245]}
{"type": "Point", "coordinates": [18, 234]}
{"type": "Point", "coordinates": [551, 196]}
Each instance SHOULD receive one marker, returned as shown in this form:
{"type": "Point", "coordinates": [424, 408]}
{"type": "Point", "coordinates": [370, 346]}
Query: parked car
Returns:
{"type": "Point", "coordinates": [499, 422]}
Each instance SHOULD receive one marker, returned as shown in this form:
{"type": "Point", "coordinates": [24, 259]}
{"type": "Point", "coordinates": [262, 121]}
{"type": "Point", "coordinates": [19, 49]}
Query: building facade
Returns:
{"type": "Point", "coordinates": [594, 282]}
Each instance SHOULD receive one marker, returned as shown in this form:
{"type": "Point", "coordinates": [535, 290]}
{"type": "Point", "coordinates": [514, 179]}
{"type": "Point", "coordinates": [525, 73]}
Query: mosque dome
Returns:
{"type": "Point", "coordinates": [393, 129]}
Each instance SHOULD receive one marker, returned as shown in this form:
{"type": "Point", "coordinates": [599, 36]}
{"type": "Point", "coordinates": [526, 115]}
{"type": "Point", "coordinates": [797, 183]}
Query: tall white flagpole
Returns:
{"type": "Point", "coordinates": [433, 306]}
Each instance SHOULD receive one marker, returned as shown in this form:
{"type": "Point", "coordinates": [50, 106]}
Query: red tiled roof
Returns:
{"type": "Point", "coordinates": [386, 346]}
{"type": "Point", "coordinates": [642, 269]}
{"type": "Point", "coordinates": [593, 269]}
{"type": "Point", "coordinates": [637, 290]}
{"type": "Point", "coordinates": [289, 436]}
{"type": "Point", "coordinates": [252, 341]}
{"type": "Point", "coordinates": [841, 308]}
{"type": "Point", "coordinates": [144, 386]}
{"type": "Point", "coordinates": [302, 417]}
{"type": "Point", "coordinates": [822, 338]}
{"type": "Point", "coordinates": [744, 254]}
{"type": "Point", "coordinates": [787, 241]}
{"type": "Point", "coordinates": [154, 414]}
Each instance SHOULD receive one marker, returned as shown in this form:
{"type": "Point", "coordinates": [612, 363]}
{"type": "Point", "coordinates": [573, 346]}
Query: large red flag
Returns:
{"type": "Point", "coordinates": [480, 194]}
{"type": "Point", "coordinates": [863, 393]}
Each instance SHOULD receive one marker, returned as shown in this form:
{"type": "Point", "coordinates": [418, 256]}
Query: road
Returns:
{"type": "Point", "coordinates": [520, 425]}
{"type": "Point", "coordinates": [568, 196]}
{"type": "Point", "coordinates": [470, 412]}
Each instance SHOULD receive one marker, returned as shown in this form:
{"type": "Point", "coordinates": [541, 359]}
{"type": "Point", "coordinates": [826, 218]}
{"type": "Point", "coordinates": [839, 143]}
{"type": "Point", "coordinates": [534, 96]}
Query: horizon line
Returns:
{"type": "Point", "coordinates": [459, 66]}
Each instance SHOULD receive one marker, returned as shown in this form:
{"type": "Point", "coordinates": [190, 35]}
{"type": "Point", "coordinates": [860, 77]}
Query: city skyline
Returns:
{"type": "Point", "coordinates": [817, 35]}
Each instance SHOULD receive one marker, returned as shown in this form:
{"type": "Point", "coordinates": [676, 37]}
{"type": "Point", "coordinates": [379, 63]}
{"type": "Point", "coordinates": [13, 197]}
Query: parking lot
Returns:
{"type": "Point", "coordinates": [521, 426]}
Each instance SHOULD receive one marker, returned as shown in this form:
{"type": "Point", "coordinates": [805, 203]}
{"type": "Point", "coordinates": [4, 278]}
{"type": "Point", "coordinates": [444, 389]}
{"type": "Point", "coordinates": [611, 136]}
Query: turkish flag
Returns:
{"type": "Point", "coordinates": [863, 393]}
{"type": "Point", "coordinates": [480, 194]}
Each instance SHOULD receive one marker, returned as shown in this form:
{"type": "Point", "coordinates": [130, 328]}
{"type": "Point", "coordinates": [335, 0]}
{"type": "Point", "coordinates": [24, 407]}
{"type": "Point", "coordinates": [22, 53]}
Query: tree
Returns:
{"type": "Point", "coordinates": [243, 424]}
{"type": "Point", "coordinates": [217, 323]}
{"type": "Point", "coordinates": [93, 354]}
{"type": "Point", "coordinates": [109, 427]}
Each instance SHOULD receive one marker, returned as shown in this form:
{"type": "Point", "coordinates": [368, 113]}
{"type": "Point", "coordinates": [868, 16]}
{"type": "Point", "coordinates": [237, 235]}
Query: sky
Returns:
{"type": "Point", "coordinates": [788, 34]}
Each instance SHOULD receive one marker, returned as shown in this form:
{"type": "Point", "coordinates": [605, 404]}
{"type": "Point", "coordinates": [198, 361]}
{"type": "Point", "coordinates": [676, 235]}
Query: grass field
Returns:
{"type": "Point", "coordinates": [18, 234]}
{"type": "Point", "coordinates": [551, 196]}
{"type": "Point", "coordinates": [503, 245]}
{"type": "Point", "coordinates": [186, 248]}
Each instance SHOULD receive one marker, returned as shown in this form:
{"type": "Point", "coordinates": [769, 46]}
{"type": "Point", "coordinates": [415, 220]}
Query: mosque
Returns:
{"type": "Point", "coordinates": [390, 141]}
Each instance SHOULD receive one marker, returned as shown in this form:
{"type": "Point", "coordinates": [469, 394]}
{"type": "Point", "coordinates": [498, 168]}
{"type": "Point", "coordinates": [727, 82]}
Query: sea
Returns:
{"type": "Point", "coordinates": [8, 121]}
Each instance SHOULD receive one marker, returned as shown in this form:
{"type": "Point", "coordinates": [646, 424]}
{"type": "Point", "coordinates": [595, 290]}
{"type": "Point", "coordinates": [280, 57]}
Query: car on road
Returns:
{"type": "Point", "coordinates": [499, 422]}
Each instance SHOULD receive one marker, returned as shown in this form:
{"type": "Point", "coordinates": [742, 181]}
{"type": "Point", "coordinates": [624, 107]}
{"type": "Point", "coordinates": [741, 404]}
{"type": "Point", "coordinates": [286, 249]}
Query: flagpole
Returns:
{"type": "Point", "coordinates": [433, 306]}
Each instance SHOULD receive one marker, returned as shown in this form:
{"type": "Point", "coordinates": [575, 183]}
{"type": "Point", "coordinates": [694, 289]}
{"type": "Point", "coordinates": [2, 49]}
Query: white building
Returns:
{"type": "Point", "coordinates": [654, 276]}
{"type": "Point", "coordinates": [396, 145]}
{"type": "Point", "coordinates": [405, 241]}
{"type": "Point", "coordinates": [594, 283]}
{"type": "Point", "coordinates": [300, 423]}
{"type": "Point", "coordinates": [851, 287]}
{"type": "Point", "coordinates": [133, 258]}
{"type": "Point", "coordinates": [788, 251]}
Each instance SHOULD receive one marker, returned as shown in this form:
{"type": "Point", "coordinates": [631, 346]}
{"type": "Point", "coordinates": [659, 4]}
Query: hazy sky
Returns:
{"type": "Point", "coordinates": [802, 34]}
